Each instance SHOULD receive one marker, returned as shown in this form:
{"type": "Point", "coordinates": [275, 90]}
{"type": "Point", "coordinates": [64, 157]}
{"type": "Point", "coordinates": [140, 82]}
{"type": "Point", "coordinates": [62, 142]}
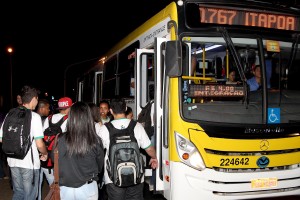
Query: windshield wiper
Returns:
{"type": "Point", "coordinates": [237, 60]}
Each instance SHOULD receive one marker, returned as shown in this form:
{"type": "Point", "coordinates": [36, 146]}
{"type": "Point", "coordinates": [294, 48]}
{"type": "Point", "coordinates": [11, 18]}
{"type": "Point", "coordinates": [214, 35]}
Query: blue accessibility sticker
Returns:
{"type": "Point", "coordinates": [263, 162]}
{"type": "Point", "coordinates": [273, 115]}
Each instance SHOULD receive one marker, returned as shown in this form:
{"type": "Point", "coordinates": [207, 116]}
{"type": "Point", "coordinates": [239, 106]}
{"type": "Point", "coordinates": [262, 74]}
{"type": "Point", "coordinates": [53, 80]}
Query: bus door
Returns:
{"type": "Point", "coordinates": [80, 90]}
{"type": "Point", "coordinates": [98, 87]}
{"type": "Point", "coordinates": [146, 78]}
{"type": "Point", "coordinates": [162, 183]}
{"type": "Point", "coordinates": [143, 78]}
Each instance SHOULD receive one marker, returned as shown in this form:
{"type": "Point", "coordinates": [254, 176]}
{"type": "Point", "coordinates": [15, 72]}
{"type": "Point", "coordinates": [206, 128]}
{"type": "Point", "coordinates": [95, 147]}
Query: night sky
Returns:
{"type": "Point", "coordinates": [47, 36]}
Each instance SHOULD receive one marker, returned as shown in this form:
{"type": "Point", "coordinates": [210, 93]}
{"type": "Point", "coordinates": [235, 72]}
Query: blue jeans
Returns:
{"type": "Point", "coordinates": [85, 192]}
{"type": "Point", "coordinates": [49, 177]}
{"type": "Point", "coordinates": [24, 187]}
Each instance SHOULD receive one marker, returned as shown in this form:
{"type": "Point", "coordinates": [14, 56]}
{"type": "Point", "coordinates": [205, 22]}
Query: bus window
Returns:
{"type": "Point", "coordinates": [109, 82]}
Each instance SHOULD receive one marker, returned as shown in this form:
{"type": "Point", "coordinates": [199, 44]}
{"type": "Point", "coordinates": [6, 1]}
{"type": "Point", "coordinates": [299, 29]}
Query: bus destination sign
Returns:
{"type": "Point", "coordinates": [216, 91]}
{"type": "Point", "coordinates": [248, 18]}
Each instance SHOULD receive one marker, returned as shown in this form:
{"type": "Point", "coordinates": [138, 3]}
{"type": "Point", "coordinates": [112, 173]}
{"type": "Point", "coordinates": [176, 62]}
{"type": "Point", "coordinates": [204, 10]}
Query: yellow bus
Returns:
{"type": "Point", "coordinates": [214, 139]}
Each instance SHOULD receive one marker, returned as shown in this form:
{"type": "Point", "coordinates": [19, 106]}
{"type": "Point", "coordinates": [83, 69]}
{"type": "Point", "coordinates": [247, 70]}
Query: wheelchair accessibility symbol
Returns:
{"type": "Point", "coordinates": [273, 115]}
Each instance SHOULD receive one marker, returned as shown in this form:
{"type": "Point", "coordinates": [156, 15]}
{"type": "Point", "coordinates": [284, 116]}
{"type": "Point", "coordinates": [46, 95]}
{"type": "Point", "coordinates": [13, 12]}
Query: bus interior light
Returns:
{"type": "Point", "coordinates": [208, 48]}
{"type": "Point", "coordinates": [188, 152]}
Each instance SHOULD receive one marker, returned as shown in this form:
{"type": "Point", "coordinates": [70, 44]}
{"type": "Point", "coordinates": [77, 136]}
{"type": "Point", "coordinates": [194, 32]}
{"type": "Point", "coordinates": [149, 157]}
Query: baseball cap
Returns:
{"type": "Point", "coordinates": [64, 103]}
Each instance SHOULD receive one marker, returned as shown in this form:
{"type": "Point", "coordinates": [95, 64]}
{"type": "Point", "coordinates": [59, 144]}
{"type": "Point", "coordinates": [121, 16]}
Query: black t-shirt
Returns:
{"type": "Point", "coordinates": [75, 171]}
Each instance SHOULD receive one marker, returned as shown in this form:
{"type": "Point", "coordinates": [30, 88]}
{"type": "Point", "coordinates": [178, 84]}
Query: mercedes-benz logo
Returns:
{"type": "Point", "coordinates": [264, 145]}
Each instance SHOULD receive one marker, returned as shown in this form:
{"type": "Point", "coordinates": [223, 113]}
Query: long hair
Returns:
{"type": "Point", "coordinates": [95, 112]}
{"type": "Point", "coordinates": [81, 136]}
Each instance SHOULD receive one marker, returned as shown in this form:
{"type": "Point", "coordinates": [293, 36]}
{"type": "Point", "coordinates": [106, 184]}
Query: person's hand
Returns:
{"type": "Point", "coordinates": [153, 163]}
{"type": "Point", "coordinates": [44, 157]}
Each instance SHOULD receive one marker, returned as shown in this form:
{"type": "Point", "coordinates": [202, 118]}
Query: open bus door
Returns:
{"type": "Point", "coordinates": [142, 97]}
{"type": "Point", "coordinates": [98, 87]}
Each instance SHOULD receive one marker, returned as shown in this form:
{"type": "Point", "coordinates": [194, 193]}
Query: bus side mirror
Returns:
{"type": "Point", "coordinates": [173, 58]}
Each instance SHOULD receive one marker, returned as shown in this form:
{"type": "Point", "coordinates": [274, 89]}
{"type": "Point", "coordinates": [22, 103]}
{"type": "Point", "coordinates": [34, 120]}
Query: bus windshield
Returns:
{"type": "Point", "coordinates": [231, 85]}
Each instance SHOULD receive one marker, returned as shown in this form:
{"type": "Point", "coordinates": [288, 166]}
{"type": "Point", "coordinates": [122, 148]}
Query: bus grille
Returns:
{"type": "Point", "coordinates": [260, 153]}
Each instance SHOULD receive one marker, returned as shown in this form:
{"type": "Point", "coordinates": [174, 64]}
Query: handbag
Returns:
{"type": "Point", "coordinates": [54, 192]}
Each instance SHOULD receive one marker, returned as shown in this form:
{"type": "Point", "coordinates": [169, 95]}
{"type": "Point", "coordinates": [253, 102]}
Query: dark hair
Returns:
{"type": "Point", "coordinates": [231, 70]}
{"type": "Point", "coordinates": [42, 103]}
{"type": "Point", "coordinates": [104, 101]}
{"type": "Point", "coordinates": [128, 110]}
{"type": "Point", "coordinates": [118, 106]}
{"type": "Point", "coordinates": [28, 93]}
{"type": "Point", "coordinates": [95, 112]}
{"type": "Point", "coordinates": [81, 136]}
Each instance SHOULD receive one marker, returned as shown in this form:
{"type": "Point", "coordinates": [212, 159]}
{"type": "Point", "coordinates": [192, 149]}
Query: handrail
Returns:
{"type": "Point", "coordinates": [197, 78]}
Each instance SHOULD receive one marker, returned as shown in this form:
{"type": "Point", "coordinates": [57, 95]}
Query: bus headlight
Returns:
{"type": "Point", "coordinates": [188, 153]}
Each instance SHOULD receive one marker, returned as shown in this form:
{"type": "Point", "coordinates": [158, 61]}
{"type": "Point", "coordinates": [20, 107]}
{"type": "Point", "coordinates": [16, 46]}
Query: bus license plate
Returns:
{"type": "Point", "coordinates": [264, 183]}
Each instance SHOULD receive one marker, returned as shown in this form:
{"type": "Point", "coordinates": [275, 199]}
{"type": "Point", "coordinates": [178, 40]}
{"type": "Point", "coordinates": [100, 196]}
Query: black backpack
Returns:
{"type": "Point", "coordinates": [125, 165]}
{"type": "Point", "coordinates": [49, 136]}
{"type": "Point", "coordinates": [145, 119]}
{"type": "Point", "coordinates": [54, 129]}
{"type": "Point", "coordinates": [16, 140]}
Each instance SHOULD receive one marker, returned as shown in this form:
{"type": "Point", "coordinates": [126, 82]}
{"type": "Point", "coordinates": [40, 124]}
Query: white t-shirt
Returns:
{"type": "Point", "coordinates": [55, 118]}
{"type": "Point", "coordinates": [97, 127]}
{"type": "Point", "coordinates": [36, 131]}
{"type": "Point", "coordinates": [139, 133]}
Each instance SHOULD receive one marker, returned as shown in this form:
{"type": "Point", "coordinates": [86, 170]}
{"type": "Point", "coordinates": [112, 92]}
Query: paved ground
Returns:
{"type": "Point", "coordinates": [6, 191]}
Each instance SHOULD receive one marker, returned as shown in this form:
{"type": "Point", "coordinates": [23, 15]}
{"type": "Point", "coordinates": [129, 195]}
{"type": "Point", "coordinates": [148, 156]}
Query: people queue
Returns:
{"type": "Point", "coordinates": [83, 148]}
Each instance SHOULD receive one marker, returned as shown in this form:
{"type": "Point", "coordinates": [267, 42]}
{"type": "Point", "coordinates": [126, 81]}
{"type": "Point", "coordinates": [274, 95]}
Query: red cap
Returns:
{"type": "Point", "coordinates": [64, 103]}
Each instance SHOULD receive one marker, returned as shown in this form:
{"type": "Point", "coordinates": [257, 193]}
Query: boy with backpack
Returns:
{"type": "Point", "coordinates": [53, 125]}
{"type": "Point", "coordinates": [22, 136]}
{"type": "Point", "coordinates": [122, 138]}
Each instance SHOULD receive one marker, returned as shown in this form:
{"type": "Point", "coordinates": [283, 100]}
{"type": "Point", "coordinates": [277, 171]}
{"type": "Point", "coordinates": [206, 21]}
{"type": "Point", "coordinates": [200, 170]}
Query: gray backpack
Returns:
{"type": "Point", "coordinates": [125, 164]}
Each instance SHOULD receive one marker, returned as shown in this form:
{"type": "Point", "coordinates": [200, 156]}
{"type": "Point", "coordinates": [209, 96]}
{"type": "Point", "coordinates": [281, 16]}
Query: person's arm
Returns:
{"type": "Point", "coordinates": [42, 149]}
{"type": "Point", "coordinates": [152, 153]}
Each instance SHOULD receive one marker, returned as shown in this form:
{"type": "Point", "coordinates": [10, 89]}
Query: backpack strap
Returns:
{"type": "Point", "coordinates": [131, 126]}
{"type": "Point", "coordinates": [112, 130]}
{"type": "Point", "coordinates": [60, 122]}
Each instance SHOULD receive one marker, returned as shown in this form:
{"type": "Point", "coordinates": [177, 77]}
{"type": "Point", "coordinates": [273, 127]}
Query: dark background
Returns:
{"type": "Point", "coordinates": [48, 36]}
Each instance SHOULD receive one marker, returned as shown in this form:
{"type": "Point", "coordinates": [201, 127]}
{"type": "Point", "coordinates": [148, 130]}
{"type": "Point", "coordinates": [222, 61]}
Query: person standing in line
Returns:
{"type": "Point", "coordinates": [96, 116]}
{"type": "Point", "coordinates": [43, 109]}
{"type": "Point", "coordinates": [19, 100]}
{"type": "Point", "coordinates": [64, 105]}
{"type": "Point", "coordinates": [81, 155]}
{"type": "Point", "coordinates": [23, 171]}
{"type": "Point", "coordinates": [3, 164]}
{"type": "Point", "coordinates": [118, 108]}
{"type": "Point", "coordinates": [129, 113]}
{"type": "Point", "coordinates": [104, 111]}
{"type": "Point", "coordinates": [97, 121]}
